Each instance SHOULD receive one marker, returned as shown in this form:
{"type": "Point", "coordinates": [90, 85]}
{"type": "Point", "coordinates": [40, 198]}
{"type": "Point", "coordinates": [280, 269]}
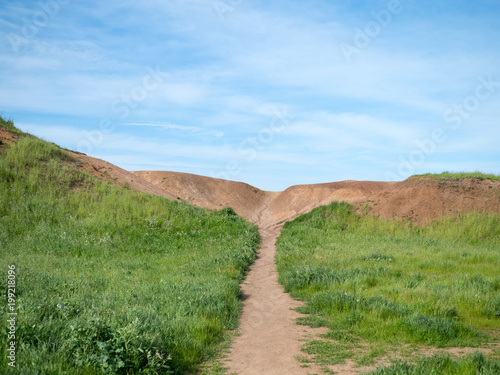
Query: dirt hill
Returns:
{"type": "Point", "coordinates": [416, 199]}
{"type": "Point", "coordinates": [109, 172]}
{"type": "Point", "coordinates": [212, 193]}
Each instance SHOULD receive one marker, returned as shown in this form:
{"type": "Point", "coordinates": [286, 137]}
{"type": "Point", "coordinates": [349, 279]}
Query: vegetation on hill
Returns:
{"type": "Point", "coordinates": [9, 125]}
{"type": "Point", "coordinates": [109, 280]}
{"type": "Point", "coordinates": [386, 287]}
{"type": "Point", "coordinates": [457, 176]}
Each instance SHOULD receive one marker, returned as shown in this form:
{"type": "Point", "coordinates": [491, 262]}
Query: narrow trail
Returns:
{"type": "Point", "coordinates": [269, 339]}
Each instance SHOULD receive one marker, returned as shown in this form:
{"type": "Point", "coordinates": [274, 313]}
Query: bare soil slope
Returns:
{"type": "Point", "coordinates": [419, 200]}
{"type": "Point", "coordinates": [212, 193]}
{"type": "Point", "coordinates": [6, 138]}
{"type": "Point", "coordinates": [416, 199]}
{"type": "Point", "coordinates": [109, 172]}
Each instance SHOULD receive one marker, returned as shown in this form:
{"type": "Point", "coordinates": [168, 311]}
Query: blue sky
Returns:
{"type": "Point", "coordinates": [270, 93]}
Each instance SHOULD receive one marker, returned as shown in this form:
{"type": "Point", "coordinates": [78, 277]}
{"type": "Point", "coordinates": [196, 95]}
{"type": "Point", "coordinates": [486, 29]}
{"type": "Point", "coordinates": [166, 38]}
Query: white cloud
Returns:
{"type": "Point", "coordinates": [226, 77]}
{"type": "Point", "coordinates": [202, 134]}
{"type": "Point", "coordinates": [330, 131]}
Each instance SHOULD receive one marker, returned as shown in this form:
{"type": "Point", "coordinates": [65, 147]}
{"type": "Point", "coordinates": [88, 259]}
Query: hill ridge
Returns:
{"type": "Point", "coordinates": [418, 200]}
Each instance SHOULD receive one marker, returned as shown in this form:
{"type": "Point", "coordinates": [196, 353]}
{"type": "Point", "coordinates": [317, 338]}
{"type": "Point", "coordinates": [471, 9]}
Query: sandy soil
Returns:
{"type": "Point", "coordinates": [6, 138]}
{"type": "Point", "coordinates": [269, 339]}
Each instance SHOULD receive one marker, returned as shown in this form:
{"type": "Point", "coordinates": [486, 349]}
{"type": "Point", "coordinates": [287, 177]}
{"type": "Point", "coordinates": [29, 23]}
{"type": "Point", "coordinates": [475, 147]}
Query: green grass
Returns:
{"type": "Point", "coordinates": [440, 364]}
{"type": "Point", "coordinates": [380, 285]}
{"type": "Point", "coordinates": [9, 125]}
{"type": "Point", "coordinates": [109, 280]}
{"type": "Point", "coordinates": [457, 176]}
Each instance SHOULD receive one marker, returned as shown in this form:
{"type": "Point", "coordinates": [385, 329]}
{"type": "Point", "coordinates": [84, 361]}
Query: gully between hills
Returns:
{"type": "Point", "coordinates": [269, 339]}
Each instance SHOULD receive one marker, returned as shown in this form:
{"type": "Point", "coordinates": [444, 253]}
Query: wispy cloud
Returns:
{"type": "Point", "coordinates": [202, 134]}
{"type": "Point", "coordinates": [224, 77]}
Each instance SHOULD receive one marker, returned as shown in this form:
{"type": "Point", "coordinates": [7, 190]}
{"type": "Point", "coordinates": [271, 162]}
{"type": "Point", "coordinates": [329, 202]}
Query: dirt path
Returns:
{"type": "Point", "coordinates": [269, 338]}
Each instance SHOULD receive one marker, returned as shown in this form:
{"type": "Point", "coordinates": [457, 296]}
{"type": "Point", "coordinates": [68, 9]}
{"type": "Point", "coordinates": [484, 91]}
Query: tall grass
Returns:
{"type": "Point", "coordinates": [380, 284]}
{"type": "Point", "coordinates": [476, 363]}
{"type": "Point", "coordinates": [110, 280]}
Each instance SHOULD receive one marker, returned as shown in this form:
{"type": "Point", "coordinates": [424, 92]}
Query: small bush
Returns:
{"type": "Point", "coordinates": [95, 344]}
{"type": "Point", "coordinates": [228, 211]}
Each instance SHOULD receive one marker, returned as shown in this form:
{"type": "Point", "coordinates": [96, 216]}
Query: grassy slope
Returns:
{"type": "Point", "coordinates": [9, 125]}
{"type": "Point", "coordinates": [381, 286]}
{"type": "Point", "coordinates": [109, 279]}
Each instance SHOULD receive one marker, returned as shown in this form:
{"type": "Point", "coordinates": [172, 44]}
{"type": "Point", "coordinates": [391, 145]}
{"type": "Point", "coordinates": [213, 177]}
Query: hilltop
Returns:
{"type": "Point", "coordinates": [419, 199]}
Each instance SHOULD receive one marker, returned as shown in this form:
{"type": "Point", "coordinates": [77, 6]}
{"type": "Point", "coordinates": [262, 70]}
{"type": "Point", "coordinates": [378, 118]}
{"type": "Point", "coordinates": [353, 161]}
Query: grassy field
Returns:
{"type": "Point", "coordinates": [109, 280]}
{"type": "Point", "coordinates": [386, 288]}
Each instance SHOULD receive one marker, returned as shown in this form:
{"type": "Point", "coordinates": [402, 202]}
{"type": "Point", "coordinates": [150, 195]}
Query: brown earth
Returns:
{"type": "Point", "coordinates": [211, 193]}
{"type": "Point", "coordinates": [109, 172]}
{"type": "Point", "coordinates": [269, 339]}
{"type": "Point", "coordinates": [6, 138]}
{"type": "Point", "coordinates": [418, 200]}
